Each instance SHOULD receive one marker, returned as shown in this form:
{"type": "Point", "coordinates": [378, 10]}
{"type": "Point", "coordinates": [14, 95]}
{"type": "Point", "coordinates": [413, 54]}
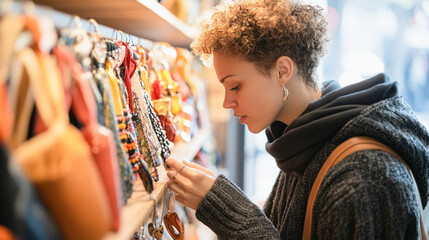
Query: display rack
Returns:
{"type": "Point", "coordinates": [139, 206]}
{"type": "Point", "coordinates": [143, 18]}
{"type": "Point", "coordinates": [150, 21]}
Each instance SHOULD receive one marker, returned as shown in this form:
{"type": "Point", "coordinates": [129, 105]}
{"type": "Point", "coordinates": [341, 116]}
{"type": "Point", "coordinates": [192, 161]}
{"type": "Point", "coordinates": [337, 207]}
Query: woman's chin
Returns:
{"type": "Point", "coordinates": [253, 129]}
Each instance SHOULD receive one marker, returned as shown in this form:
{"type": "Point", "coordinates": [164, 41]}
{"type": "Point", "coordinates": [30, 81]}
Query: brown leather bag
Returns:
{"type": "Point", "coordinates": [58, 161]}
{"type": "Point", "coordinates": [99, 138]}
{"type": "Point", "coordinates": [343, 150]}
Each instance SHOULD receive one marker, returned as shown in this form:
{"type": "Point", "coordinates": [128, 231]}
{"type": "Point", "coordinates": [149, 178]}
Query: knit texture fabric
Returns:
{"type": "Point", "coordinates": [368, 195]}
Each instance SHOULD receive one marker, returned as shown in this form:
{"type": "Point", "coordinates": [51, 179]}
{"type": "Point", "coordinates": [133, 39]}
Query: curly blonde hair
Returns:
{"type": "Point", "coordinates": [261, 31]}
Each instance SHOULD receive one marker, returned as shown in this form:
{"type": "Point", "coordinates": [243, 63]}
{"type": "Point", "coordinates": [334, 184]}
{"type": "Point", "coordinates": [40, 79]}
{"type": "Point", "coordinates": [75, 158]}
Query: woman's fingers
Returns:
{"type": "Point", "coordinates": [175, 188]}
{"type": "Point", "coordinates": [180, 199]}
{"type": "Point", "coordinates": [186, 198]}
{"type": "Point", "coordinates": [199, 167]}
{"type": "Point", "coordinates": [178, 178]}
{"type": "Point", "coordinates": [192, 180]}
{"type": "Point", "coordinates": [185, 168]}
{"type": "Point", "coordinates": [189, 180]}
{"type": "Point", "coordinates": [173, 163]}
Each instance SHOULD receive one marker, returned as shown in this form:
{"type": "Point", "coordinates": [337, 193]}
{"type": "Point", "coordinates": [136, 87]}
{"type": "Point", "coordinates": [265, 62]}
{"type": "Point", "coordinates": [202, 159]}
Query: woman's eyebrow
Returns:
{"type": "Point", "coordinates": [227, 76]}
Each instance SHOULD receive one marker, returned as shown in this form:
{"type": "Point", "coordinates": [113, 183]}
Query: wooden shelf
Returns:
{"type": "Point", "coordinates": [143, 18]}
{"type": "Point", "coordinates": [187, 151]}
{"type": "Point", "coordinates": [139, 207]}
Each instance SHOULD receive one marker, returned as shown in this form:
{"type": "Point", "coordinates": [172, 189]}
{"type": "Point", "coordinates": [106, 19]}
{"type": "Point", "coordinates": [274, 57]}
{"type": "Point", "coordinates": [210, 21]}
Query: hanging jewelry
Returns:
{"type": "Point", "coordinates": [153, 146]}
{"type": "Point", "coordinates": [165, 146]}
{"type": "Point", "coordinates": [141, 234]}
{"type": "Point", "coordinates": [285, 93]}
{"type": "Point", "coordinates": [145, 176]}
{"type": "Point", "coordinates": [155, 228]}
{"type": "Point", "coordinates": [172, 221]}
{"type": "Point", "coordinates": [146, 139]}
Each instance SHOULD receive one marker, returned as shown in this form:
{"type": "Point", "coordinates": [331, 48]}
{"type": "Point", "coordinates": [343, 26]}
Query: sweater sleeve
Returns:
{"type": "Point", "coordinates": [231, 215]}
{"type": "Point", "coordinates": [367, 196]}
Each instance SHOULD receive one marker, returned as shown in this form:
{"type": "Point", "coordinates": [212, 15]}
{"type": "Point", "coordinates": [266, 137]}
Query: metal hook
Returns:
{"type": "Point", "coordinates": [94, 24]}
{"type": "Point", "coordinates": [114, 34]}
{"type": "Point", "coordinates": [128, 38]}
{"type": "Point", "coordinates": [124, 35]}
{"type": "Point", "coordinates": [120, 34]}
{"type": "Point", "coordinates": [152, 197]}
{"type": "Point", "coordinates": [29, 7]}
{"type": "Point", "coordinates": [132, 41]}
{"type": "Point", "coordinates": [76, 20]}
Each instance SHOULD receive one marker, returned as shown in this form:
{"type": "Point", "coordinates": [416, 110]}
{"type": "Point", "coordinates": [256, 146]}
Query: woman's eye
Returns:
{"type": "Point", "coordinates": [235, 88]}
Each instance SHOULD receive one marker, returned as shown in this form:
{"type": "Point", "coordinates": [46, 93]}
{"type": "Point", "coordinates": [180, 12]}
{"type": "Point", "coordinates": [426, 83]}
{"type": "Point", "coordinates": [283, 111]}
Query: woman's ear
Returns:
{"type": "Point", "coordinates": [284, 69]}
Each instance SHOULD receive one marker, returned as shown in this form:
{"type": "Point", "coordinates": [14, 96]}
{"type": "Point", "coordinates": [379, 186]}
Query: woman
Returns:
{"type": "Point", "coordinates": [265, 54]}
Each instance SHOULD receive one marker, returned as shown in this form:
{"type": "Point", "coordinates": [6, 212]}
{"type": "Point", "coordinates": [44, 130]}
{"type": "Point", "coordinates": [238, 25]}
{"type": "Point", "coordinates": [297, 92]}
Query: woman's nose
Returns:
{"type": "Point", "coordinates": [229, 101]}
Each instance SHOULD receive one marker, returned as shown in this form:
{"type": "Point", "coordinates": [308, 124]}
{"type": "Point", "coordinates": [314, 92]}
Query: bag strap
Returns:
{"type": "Point", "coordinates": [343, 150]}
{"type": "Point", "coordinates": [83, 102]}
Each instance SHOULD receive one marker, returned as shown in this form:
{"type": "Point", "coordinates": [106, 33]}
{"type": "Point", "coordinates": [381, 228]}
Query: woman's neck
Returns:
{"type": "Point", "coordinates": [300, 95]}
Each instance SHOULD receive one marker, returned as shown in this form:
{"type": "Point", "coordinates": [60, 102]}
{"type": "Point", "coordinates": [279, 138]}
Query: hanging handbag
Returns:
{"type": "Point", "coordinates": [22, 213]}
{"type": "Point", "coordinates": [21, 210]}
{"type": "Point", "coordinates": [58, 161]}
{"type": "Point", "coordinates": [342, 151]}
{"type": "Point", "coordinates": [99, 138]}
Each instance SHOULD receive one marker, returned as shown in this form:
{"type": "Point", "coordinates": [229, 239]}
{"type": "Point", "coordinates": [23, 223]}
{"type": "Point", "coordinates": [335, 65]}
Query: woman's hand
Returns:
{"type": "Point", "coordinates": [189, 181]}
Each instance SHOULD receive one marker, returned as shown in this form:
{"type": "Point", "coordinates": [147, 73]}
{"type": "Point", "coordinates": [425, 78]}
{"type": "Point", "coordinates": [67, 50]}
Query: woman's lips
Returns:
{"type": "Point", "coordinates": [242, 119]}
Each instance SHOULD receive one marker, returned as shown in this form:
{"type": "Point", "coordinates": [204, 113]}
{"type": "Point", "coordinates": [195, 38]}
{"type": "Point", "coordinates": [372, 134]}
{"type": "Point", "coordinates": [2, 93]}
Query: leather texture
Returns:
{"type": "Point", "coordinates": [99, 138]}
{"type": "Point", "coordinates": [58, 161]}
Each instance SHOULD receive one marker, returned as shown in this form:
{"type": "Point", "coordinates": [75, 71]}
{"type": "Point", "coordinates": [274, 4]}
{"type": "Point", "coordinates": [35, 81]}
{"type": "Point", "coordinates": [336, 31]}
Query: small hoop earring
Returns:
{"type": "Point", "coordinates": [285, 93]}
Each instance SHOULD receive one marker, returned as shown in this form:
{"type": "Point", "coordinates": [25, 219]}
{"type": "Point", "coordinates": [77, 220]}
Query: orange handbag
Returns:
{"type": "Point", "coordinates": [343, 150]}
{"type": "Point", "coordinates": [99, 138]}
{"type": "Point", "coordinates": [58, 160]}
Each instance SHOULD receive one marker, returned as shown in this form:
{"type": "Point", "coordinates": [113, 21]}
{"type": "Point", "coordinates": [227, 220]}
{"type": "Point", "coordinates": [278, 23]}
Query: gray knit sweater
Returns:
{"type": "Point", "coordinates": [368, 195]}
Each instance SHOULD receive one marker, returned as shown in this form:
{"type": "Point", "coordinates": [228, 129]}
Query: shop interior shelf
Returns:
{"type": "Point", "coordinates": [142, 18]}
{"type": "Point", "coordinates": [139, 206]}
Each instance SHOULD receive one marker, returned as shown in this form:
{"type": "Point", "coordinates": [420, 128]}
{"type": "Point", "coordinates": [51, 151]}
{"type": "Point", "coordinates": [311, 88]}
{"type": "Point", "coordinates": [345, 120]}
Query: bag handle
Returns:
{"type": "Point", "coordinates": [10, 28]}
{"type": "Point", "coordinates": [50, 106]}
{"type": "Point", "coordinates": [83, 101]}
{"type": "Point", "coordinates": [343, 150]}
{"type": "Point", "coordinates": [17, 61]}
{"type": "Point", "coordinates": [22, 101]}
{"type": "Point", "coordinates": [42, 86]}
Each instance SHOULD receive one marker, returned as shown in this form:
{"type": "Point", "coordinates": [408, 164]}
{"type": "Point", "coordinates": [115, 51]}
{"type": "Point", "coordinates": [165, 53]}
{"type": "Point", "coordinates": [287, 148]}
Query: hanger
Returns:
{"type": "Point", "coordinates": [99, 49]}
{"type": "Point", "coordinates": [122, 50]}
{"type": "Point", "coordinates": [76, 37]}
{"type": "Point", "coordinates": [94, 24]}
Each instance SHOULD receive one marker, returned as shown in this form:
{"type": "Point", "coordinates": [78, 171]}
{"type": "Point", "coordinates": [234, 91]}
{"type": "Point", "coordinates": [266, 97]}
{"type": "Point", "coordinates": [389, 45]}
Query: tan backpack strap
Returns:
{"type": "Point", "coordinates": [343, 150]}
